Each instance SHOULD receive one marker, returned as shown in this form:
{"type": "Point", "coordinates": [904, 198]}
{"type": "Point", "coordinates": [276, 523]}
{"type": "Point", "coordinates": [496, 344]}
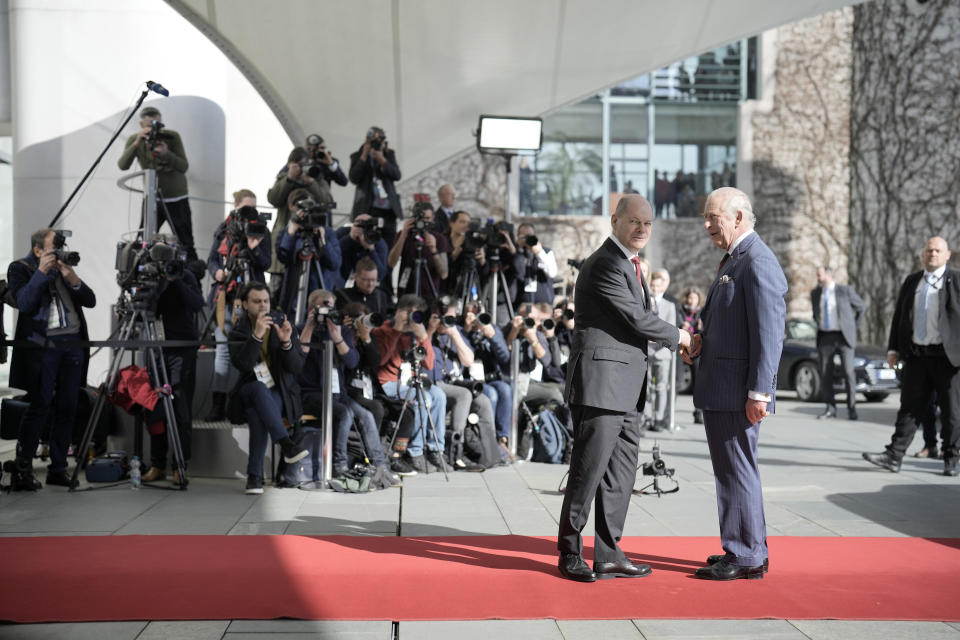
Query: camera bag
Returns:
{"type": "Point", "coordinates": [112, 466]}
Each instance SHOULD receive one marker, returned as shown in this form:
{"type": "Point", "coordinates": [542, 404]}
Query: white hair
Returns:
{"type": "Point", "coordinates": [735, 200]}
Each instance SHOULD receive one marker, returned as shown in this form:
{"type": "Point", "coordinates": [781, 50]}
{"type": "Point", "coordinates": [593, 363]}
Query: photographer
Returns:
{"type": "Point", "coordinates": [467, 254]}
{"type": "Point", "coordinates": [324, 322]}
{"type": "Point", "coordinates": [321, 158]}
{"type": "Point", "coordinates": [156, 147]}
{"type": "Point", "coordinates": [374, 169]}
{"type": "Point", "coordinates": [503, 258]}
{"type": "Point", "coordinates": [418, 239]}
{"type": "Point", "coordinates": [535, 356]}
{"type": "Point", "coordinates": [359, 381]}
{"type": "Point", "coordinates": [364, 289]}
{"type": "Point", "coordinates": [302, 244]}
{"type": "Point", "coordinates": [538, 269]}
{"type": "Point", "coordinates": [238, 254]}
{"type": "Point", "coordinates": [398, 341]}
{"type": "Point", "coordinates": [294, 178]}
{"type": "Point", "coordinates": [362, 239]}
{"type": "Point", "coordinates": [491, 366]}
{"type": "Point", "coordinates": [452, 357]}
{"type": "Point", "coordinates": [265, 348]}
{"type": "Point", "coordinates": [50, 298]}
{"type": "Point", "coordinates": [178, 301]}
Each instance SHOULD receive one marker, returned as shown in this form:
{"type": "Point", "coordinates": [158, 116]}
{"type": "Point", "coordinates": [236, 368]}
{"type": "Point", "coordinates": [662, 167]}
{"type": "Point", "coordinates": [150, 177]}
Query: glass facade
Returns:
{"type": "Point", "coordinates": [669, 135]}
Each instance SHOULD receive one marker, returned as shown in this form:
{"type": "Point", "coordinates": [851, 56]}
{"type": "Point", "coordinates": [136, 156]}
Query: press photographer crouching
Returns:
{"type": "Point", "coordinates": [238, 255]}
{"type": "Point", "coordinates": [325, 323]}
{"type": "Point", "coordinates": [293, 178]}
{"type": "Point", "coordinates": [50, 297]}
{"type": "Point", "coordinates": [405, 352]}
{"type": "Point", "coordinates": [265, 348]}
{"type": "Point", "coordinates": [179, 299]}
{"type": "Point", "coordinates": [362, 239]}
{"type": "Point", "coordinates": [364, 289]}
{"type": "Point", "coordinates": [310, 252]}
{"type": "Point", "coordinates": [422, 253]}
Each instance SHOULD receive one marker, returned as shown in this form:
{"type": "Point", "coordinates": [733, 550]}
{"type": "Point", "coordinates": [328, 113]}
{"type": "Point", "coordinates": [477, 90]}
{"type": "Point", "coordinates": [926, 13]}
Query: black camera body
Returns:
{"type": "Point", "coordinates": [414, 355]}
{"type": "Point", "coordinates": [313, 215]}
{"type": "Point", "coordinates": [311, 167]}
{"type": "Point", "coordinates": [322, 312]}
{"type": "Point", "coordinates": [145, 266]}
{"type": "Point", "coordinates": [371, 229]}
{"type": "Point", "coordinates": [247, 222]}
{"type": "Point", "coordinates": [658, 467]}
{"type": "Point", "coordinates": [276, 316]}
{"type": "Point", "coordinates": [377, 143]}
{"type": "Point", "coordinates": [69, 258]}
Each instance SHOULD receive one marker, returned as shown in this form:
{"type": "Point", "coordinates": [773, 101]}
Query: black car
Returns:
{"type": "Point", "coordinates": [799, 370]}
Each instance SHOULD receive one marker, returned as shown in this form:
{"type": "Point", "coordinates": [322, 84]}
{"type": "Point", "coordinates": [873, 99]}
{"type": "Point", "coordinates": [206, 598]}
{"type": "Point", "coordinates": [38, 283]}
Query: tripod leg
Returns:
{"type": "Point", "coordinates": [403, 410]}
{"type": "Point", "coordinates": [422, 400]}
{"type": "Point", "coordinates": [158, 371]}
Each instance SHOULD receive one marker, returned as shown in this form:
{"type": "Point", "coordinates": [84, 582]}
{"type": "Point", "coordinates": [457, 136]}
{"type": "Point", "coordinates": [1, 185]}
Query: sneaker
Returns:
{"type": "Point", "coordinates": [467, 465]}
{"type": "Point", "coordinates": [403, 467]}
{"type": "Point", "coordinates": [436, 459]}
{"type": "Point", "coordinates": [61, 479]}
{"type": "Point", "coordinates": [254, 485]}
{"type": "Point", "coordinates": [418, 462]}
{"type": "Point", "coordinates": [393, 478]}
{"type": "Point", "coordinates": [291, 452]}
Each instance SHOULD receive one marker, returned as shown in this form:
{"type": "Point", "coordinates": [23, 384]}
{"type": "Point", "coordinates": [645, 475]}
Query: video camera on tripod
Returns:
{"type": "Point", "coordinates": [659, 470]}
{"type": "Point", "coordinates": [487, 235]}
{"type": "Point", "coordinates": [156, 134]}
{"type": "Point", "coordinates": [142, 267]}
{"type": "Point", "coordinates": [372, 229]}
{"type": "Point", "coordinates": [313, 215]}
{"type": "Point", "coordinates": [69, 258]}
{"type": "Point", "coordinates": [247, 222]}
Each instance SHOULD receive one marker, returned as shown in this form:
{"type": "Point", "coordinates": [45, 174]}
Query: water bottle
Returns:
{"type": "Point", "coordinates": [135, 482]}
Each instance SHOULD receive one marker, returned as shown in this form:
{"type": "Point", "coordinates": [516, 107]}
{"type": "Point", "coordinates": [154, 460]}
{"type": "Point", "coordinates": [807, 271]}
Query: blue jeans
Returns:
{"type": "Point", "coordinates": [500, 394]}
{"type": "Point", "coordinates": [224, 374]}
{"type": "Point", "coordinates": [60, 371]}
{"type": "Point", "coordinates": [264, 411]}
{"type": "Point", "coordinates": [342, 420]}
{"type": "Point", "coordinates": [436, 401]}
{"type": "Point", "coordinates": [368, 431]}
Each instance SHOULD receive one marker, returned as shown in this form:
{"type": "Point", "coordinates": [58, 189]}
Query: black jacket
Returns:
{"type": "Point", "coordinates": [901, 329]}
{"type": "Point", "coordinates": [362, 175]}
{"type": "Point", "coordinates": [285, 366]}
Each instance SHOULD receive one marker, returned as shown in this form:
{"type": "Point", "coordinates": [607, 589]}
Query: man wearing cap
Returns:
{"type": "Point", "coordinates": [156, 147]}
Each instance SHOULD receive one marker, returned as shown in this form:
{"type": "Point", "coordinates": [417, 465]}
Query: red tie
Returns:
{"type": "Point", "coordinates": [643, 285]}
{"type": "Point", "coordinates": [726, 257]}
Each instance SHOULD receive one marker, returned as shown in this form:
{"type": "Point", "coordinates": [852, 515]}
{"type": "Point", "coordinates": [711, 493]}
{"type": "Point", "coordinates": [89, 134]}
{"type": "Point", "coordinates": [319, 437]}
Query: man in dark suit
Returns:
{"type": "Point", "coordinates": [739, 348]}
{"type": "Point", "coordinates": [837, 310]}
{"type": "Point", "coordinates": [925, 336]}
{"type": "Point", "coordinates": [50, 297]}
{"type": "Point", "coordinates": [606, 389]}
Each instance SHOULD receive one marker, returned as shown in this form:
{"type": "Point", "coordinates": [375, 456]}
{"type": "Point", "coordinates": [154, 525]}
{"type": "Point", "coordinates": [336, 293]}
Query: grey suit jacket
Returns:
{"type": "Point", "coordinates": [901, 329]}
{"type": "Point", "coordinates": [849, 311]}
{"type": "Point", "coordinates": [743, 323]}
{"type": "Point", "coordinates": [667, 312]}
{"type": "Point", "coordinates": [608, 355]}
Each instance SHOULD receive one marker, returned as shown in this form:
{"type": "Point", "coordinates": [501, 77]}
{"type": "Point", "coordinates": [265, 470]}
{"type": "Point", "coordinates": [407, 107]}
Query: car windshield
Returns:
{"type": "Point", "coordinates": [801, 330]}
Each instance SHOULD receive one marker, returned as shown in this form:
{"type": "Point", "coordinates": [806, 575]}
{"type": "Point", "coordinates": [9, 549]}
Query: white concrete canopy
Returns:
{"type": "Point", "coordinates": [425, 69]}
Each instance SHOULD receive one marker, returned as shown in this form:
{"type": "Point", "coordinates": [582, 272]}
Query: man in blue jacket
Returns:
{"type": "Point", "coordinates": [50, 297]}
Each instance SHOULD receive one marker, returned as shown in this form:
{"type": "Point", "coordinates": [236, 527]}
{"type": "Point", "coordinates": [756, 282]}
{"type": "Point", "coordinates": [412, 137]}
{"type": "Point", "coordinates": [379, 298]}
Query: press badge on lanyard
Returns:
{"type": "Point", "coordinates": [53, 320]}
{"type": "Point", "coordinates": [262, 372]}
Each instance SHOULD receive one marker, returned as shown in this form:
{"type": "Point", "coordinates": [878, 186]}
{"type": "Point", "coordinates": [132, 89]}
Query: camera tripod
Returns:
{"type": "Point", "coordinates": [467, 289]}
{"type": "Point", "coordinates": [498, 280]}
{"type": "Point", "coordinates": [416, 399]}
{"type": "Point", "coordinates": [140, 321]}
{"type": "Point", "coordinates": [420, 268]}
{"type": "Point", "coordinates": [308, 265]}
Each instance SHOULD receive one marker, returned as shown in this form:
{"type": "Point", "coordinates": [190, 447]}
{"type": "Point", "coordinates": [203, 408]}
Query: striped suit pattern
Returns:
{"type": "Point", "coordinates": [742, 338]}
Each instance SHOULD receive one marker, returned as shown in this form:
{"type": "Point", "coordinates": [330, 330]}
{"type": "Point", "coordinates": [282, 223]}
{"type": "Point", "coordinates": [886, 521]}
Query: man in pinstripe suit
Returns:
{"type": "Point", "coordinates": [739, 349]}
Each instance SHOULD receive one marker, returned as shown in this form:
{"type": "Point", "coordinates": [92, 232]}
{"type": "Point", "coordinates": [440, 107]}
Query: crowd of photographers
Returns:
{"type": "Point", "coordinates": [422, 361]}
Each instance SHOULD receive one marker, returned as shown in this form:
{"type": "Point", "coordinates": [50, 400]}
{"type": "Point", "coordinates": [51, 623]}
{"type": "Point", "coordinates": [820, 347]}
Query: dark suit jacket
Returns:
{"type": "Point", "coordinates": [743, 323]}
{"type": "Point", "coordinates": [608, 357]}
{"type": "Point", "coordinates": [901, 329]}
{"type": "Point", "coordinates": [849, 310]}
{"type": "Point", "coordinates": [362, 175]}
{"type": "Point", "coordinates": [32, 291]}
{"type": "Point", "coordinates": [285, 366]}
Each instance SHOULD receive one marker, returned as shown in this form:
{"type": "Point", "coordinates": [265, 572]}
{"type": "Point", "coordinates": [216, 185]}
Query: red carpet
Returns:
{"type": "Point", "coordinates": [460, 578]}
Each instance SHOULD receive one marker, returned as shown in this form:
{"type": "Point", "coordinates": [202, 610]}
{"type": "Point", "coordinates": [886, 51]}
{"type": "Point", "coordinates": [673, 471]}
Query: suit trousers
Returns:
{"type": "Point", "coordinates": [829, 343]}
{"type": "Point", "coordinates": [921, 376]}
{"type": "Point", "coordinates": [603, 467]}
{"type": "Point", "coordinates": [733, 452]}
{"type": "Point", "coordinates": [182, 374]}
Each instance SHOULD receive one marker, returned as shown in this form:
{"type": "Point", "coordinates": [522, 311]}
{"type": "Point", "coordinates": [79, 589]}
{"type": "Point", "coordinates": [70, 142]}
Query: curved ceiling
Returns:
{"type": "Point", "coordinates": [425, 69]}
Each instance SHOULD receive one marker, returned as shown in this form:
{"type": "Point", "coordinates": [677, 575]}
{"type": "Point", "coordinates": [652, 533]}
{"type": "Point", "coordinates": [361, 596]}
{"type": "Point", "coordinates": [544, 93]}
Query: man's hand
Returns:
{"type": "Point", "coordinates": [430, 242]}
{"type": "Point", "coordinates": [334, 331]}
{"type": "Point", "coordinates": [48, 262]}
{"type": "Point", "coordinates": [263, 323]}
{"type": "Point", "coordinates": [143, 133]}
{"type": "Point", "coordinates": [219, 275]}
{"type": "Point", "coordinates": [893, 358]}
{"type": "Point", "coordinates": [362, 330]}
{"type": "Point", "coordinates": [284, 331]}
{"type": "Point", "coordinates": [160, 149]}
{"type": "Point", "coordinates": [253, 243]}
{"type": "Point", "coordinates": [418, 330]}
{"type": "Point", "coordinates": [68, 274]}
{"type": "Point", "coordinates": [365, 150]}
{"type": "Point", "coordinates": [756, 410]}
{"type": "Point", "coordinates": [696, 345]}
{"type": "Point", "coordinates": [325, 157]}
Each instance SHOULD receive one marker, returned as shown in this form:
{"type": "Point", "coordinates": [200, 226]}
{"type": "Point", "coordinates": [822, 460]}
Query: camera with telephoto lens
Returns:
{"type": "Point", "coordinates": [146, 265]}
{"type": "Point", "coordinates": [568, 314]}
{"type": "Point", "coordinates": [247, 222]}
{"type": "Point", "coordinates": [313, 215]}
{"type": "Point", "coordinates": [370, 320]}
{"type": "Point", "coordinates": [449, 321]}
{"type": "Point", "coordinates": [420, 222]}
{"type": "Point", "coordinates": [69, 258]}
{"type": "Point", "coordinates": [371, 229]}
{"type": "Point", "coordinates": [529, 323]}
{"type": "Point", "coordinates": [531, 240]}
{"type": "Point", "coordinates": [414, 355]}
{"type": "Point", "coordinates": [311, 167]}
{"type": "Point", "coordinates": [548, 324]}
{"type": "Point", "coordinates": [323, 312]}
{"type": "Point", "coordinates": [658, 467]}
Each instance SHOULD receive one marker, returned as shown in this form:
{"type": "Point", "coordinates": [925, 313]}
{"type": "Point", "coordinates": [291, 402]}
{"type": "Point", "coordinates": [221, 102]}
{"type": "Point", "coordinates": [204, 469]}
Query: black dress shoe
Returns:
{"type": "Point", "coordinates": [831, 412]}
{"type": "Point", "coordinates": [723, 570]}
{"type": "Point", "coordinates": [950, 467]}
{"type": "Point", "coordinates": [852, 414]}
{"type": "Point", "coordinates": [712, 560]}
{"type": "Point", "coordinates": [884, 460]}
{"type": "Point", "coordinates": [61, 479]}
{"type": "Point", "coordinates": [622, 569]}
{"type": "Point", "coordinates": [572, 567]}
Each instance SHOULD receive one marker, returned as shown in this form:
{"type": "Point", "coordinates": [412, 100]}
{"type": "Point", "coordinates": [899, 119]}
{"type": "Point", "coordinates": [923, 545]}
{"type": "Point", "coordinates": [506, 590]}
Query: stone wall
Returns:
{"type": "Point", "coordinates": [905, 145]}
{"type": "Point", "coordinates": [480, 182]}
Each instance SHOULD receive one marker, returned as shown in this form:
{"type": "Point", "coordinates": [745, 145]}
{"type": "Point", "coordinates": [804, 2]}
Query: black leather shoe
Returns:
{"type": "Point", "coordinates": [572, 567]}
{"type": "Point", "coordinates": [726, 571]}
{"type": "Point", "coordinates": [623, 569]}
{"type": "Point", "coordinates": [712, 560]}
{"type": "Point", "coordinates": [950, 467]}
{"type": "Point", "coordinates": [852, 414]}
{"type": "Point", "coordinates": [830, 412]}
{"type": "Point", "coordinates": [61, 479]}
{"type": "Point", "coordinates": [883, 460]}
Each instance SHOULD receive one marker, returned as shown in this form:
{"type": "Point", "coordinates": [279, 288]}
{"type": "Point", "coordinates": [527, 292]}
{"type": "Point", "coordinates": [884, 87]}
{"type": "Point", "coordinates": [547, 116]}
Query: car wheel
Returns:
{"type": "Point", "coordinates": [684, 378]}
{"type": "Point", "coordinates": [806, 380]}
{"type": "Point", "coordinates": [876, 397]}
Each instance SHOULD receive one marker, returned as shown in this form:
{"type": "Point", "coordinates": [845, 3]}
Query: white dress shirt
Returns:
{"type": "Point", "coordinates": [934, 281]}
{"type": "Point", "coordinates": [828, 313]}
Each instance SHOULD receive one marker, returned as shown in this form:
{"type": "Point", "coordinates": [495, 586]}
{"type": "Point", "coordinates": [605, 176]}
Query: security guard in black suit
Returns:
{"type": "Point", "coordinates": [837, 310]}
{"type": "Point", "coordinates": [925, 336]}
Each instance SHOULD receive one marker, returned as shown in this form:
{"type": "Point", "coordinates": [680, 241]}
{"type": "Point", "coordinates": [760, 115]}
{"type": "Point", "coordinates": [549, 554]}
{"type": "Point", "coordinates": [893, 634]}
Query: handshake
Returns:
{"type": "Point", "coordinates": [690, 346]}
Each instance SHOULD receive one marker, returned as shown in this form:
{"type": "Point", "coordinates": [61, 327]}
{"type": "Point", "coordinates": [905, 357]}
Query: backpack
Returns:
{"type": "Point", "coordinates": [480, 447]}
{"type": "Point", "coordinates": [550, 438]}
{"type": "Point", "coordinates": [308, 472]}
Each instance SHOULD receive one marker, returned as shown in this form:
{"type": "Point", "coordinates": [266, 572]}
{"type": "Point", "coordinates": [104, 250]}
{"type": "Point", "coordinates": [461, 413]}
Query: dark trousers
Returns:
{"type": "Point", "coordinates": [736, 469]}
{"type": "Point", "coordinates": [61, 370]}
{"type": "Point", "coordinates": [264, 411]}
{"type": "Point", "coordinates": [603, 468]}
{"type": "Point", "coordinates": [829, 343]}
{"type": "Point", "coordinates": [929, 422]}
{"type": "Point", "coordinates": [921, 376]}
{"type": "Point", "coordinates": [182, 374]}
{"type": "Point", "coordinates": [181, 220]}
